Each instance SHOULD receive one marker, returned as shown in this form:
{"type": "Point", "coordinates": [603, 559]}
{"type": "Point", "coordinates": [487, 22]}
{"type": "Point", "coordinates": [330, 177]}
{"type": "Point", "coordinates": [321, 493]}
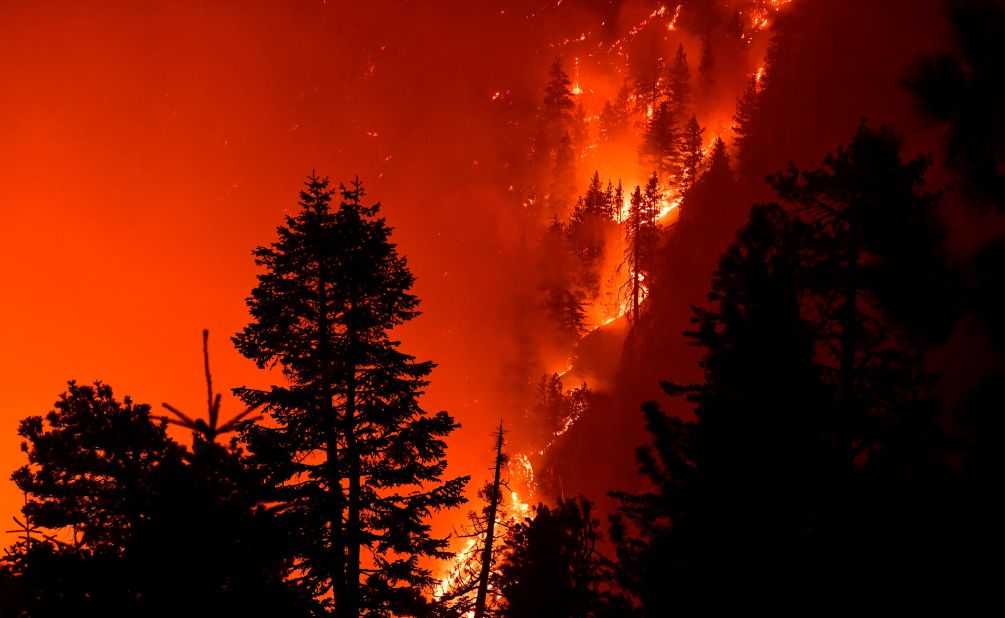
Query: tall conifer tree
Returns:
{"type": "Point", "coordinates": [355, 461]}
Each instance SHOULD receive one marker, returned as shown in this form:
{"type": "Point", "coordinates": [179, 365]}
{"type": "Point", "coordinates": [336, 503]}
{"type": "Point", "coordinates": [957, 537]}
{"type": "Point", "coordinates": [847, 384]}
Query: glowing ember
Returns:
{"type": "Point", "coordinates": [673, 20]}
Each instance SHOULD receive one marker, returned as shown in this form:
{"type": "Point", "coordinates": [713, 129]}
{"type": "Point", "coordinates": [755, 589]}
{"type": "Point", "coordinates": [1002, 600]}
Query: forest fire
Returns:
{"type": "Point", "coordinates": [615, 276]}
{"type": "Point", "coordinates": [730, 334]}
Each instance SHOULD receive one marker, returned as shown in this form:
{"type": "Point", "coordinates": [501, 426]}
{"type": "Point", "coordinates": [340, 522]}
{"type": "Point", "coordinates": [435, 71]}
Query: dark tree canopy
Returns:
{"type": "Point", "coordinates": [355, 462]}
{"type": "Point", "coordinates": [123, 521]}
{"type": "Point", "coordinates": [553, 565]}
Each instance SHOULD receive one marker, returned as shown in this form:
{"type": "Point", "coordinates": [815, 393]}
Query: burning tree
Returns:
{"type": "Point", "coordinates": [355, 462]}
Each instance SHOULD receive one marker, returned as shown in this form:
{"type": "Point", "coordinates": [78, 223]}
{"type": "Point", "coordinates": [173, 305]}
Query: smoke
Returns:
{"type": "Point", "coordinates": [162, 144]}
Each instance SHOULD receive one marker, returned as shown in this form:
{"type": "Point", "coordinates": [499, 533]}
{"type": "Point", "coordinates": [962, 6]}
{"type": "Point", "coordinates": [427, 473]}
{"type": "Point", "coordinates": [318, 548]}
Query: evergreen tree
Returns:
{"type": "Point", "coordinates": [94, 465]}
{"type": "Point", "coordinates": [880, 271]}
{"type": "Point", "coordinates": [558, 98]}
{"type": "Point", "coordinates": [735, 491]}
{"type": "Point", "coordinates": [746, 113]}
{"type": "Point", "coordinates": [553, 566]}
{"type": "Point", "coordinates": [640, 239]}
{"type": "Point", "coordinates": [618, 202]}
{"type": "Point", "coordinates": [718, 160]}
{"type": "Point", "coordinates": [580, 129]}
{"type": "Point", "coordinates": [560, 129]}
{"type": "Point", "coordinates": [678, 85]}
{"type": "Point", "coordinates": [597, 200]}
{"type": "Point", "coordinates": [588, 229]}
{"type": "Point", "coordinates": [475, 574]}
{"type": "Point", "coordinates": [614, 116]}
{"type": "Point", "coordinates": [550, 408]}
{"type": "Point", "coordinates": [815, 440]}
{"type": "Point", "coordinates": [691, 151]}
{"type": "Point", "coordinates": [647, 82]}
{"type": "Point", "coordinates": [355, 462]}
{"type": "Point", "coordinates": [562, 184]}
{"type": "Point", "coordinates": [493, 501]}
{"type": "Point", "coordinates": [706, 68]}
{"type": "Point", "coordinates": [567, 309]}
{"type": "Point", "coordinates": [127, 522]}
{"type": "Point", "coordinates": [660, 147]}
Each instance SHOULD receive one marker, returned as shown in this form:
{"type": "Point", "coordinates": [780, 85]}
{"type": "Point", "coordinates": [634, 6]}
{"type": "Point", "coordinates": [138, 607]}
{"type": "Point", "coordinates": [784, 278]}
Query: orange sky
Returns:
{"type": "Point", "coordinates": [146, 149]}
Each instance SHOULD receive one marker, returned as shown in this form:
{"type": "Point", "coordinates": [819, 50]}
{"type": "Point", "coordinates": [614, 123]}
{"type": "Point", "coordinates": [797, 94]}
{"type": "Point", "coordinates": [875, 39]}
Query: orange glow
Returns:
{"type": "Point", "coordinates": [145, 151]}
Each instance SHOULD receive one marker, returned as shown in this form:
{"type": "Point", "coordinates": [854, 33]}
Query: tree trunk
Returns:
{"type": "Point", "coordinates": [483, 576]}
{"type": "Point", "coordinates": [353, 532]}
{"type": "Point", "coordinates": [336, 499]}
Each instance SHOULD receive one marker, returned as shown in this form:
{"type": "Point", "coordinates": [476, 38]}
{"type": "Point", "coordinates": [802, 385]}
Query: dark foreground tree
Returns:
{"type": "Point", "coordinates": [815, 440]}
{"type": "Point", "coordinates": [553, 566]}
{"type": "Point", "coordinates": [733, 491]}
{"type": "Point", "coordinates": [355, 462]}
{"type": "Point", "coordinates": [120, 520]}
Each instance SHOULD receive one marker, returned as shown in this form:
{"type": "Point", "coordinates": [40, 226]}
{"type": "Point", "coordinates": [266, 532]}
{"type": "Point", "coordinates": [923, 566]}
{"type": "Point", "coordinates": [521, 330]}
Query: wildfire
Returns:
{"type": "Point", "coordinates": [758, 15]}
{"type": "Point", "coordinates": [673, 20]}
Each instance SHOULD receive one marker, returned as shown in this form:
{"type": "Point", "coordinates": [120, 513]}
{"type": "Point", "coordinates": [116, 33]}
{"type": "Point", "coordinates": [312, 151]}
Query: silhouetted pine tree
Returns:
{"type": "Point", "coordinates": [706, 67]}
{"type": "Point", "coordinates": [550, 408]}
{"type": "Point", "coordinates": [678, 85]}
{"type": "Point", "coordinates": [472, 588]}
{"type": "Point", "coordinates": [691, 151]}
{"type": "Point", "coordinates": [354, 460]}
{"type": "Point", "coordinates": [614, 116]}
{"type": "Point", "coordinates": [660, 147]}
{"type": "Point", "coordinates": [589, 227]}
{"type": "Point", "coordinates": [877, 266]}
{"type": "Point", "coordinates": [815, 440]}
{"type": "Point", "coordinates": [735, 490]}
{"type": "Point", "coordinates": [641, 237]}
{"type": "Point", "coordinates": [558, 101]}
{"type": "Point", "coordinates": [647, 82]}
{"type": "Point", "coordinates": [553, 566]}
{"type": "Point", "coordinates": [561, 186]}
{"type": "Point", "coordinates": [568, 311]}
{"type": "Point", "coordinates": [746, 112]}
{"type": "Point", "coordinates": [130, 523]}
{"type": "Point", "coordinates": [493, 501]}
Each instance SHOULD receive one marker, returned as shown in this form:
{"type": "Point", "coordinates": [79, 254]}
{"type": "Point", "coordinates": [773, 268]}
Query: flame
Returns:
{"type": "Point", "coordinates": [673, 20]}
{"type": "Point", "coordinates": [616, 164]}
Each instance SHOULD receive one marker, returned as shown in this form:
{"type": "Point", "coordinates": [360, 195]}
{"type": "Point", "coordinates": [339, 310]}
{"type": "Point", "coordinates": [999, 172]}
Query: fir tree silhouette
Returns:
{"type": "Point", "coordinates": [353, 458]}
